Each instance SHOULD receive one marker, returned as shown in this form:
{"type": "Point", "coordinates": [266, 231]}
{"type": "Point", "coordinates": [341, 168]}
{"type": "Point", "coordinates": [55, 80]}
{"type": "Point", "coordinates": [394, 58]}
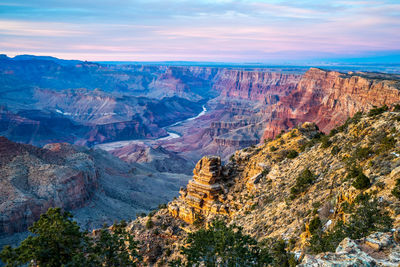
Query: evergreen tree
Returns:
{"type": "Point", "coordinates": [116, 247]}
{"type": "Point", "coordinates": [57, 241]}
{"type": "Point", "coordinates": [222, 245]}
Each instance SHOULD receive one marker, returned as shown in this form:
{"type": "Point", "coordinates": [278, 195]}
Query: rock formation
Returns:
{"type": "Point", "coordinates": [204, 194]}
{"type": "Point", "coordinates": [156, 158]}
{"type": "Point", "coordinates": [377, 249]}
{"type": "Point", "coordinates": [34, 179]}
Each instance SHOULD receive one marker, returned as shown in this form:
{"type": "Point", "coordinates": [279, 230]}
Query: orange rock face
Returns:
{"type": "Point", "coordinates": [328, 98]}
{"type": "Point", "coordinates": [203, 194]}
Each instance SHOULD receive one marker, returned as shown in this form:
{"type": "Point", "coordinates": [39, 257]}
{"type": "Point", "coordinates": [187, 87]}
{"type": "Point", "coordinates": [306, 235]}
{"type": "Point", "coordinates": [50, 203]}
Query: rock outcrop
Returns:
{"type": "Point", "coordinates": [204, 194]}
{"type": "Point", "coordinates": [377, 249]}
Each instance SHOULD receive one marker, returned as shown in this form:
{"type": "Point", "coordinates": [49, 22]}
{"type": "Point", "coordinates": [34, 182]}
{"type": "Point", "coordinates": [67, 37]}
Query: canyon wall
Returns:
{"type": "Point", "coordinates": [328, 98]}
{"type": "Point", "coordinates": [34, 179]}
{"type": "Point", "coordinates": [95, 186]}
{"type": "Point", "coordinates": [263, 86]}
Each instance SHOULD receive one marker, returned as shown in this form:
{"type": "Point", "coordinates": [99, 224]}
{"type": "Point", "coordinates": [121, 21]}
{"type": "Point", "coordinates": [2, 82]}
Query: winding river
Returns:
{"type": "Point", "coordinates": [171, 135]}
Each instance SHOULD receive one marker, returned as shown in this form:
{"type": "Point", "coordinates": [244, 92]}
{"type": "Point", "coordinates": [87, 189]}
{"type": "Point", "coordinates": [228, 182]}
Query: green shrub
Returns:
{"type": "Point", "coordinates": [280, 134]}
{"type": "Point", "coordinates": [272, 149]}
{"type": "Point", "coordinates": [325, 142]}
{"type": "Point", "coordinates": [314, 225]}
{"type": "Point", "coordinates": [396, 189]}
{"type": "Point", "coordinates": [396, 108]}
{"type": "Point", "coordinates": [303, 181]}
{"type": "Point", "coordinates": [333, 132]}
{"type": "Point", "coordinates": [361, 181]}
{"type": "Point", "coordinates": [265, 172]}
{"type": "Point", "coordinates": [335, 150]}
{"type": "Point", "coordinates": [57, 240]}
{"type": "Point", "coordinates": [222, 245]}
{"type": "Point", "coordinates": [149, 223]}
{"type": "Point", "coordinates": [387, 143]}
{"type": "Point", "coordinates": [362, 153]}
{"type": "Point", "coordinates": [316, 139]}
{"type": "Point", "coordinates": [292, 154]}
{"type": "Point", "coordinates": [347, 207]}
{"type": "Point", "coordinates": [162, 206]}
{"type": "Point", "coordinates": [376, 111]}
{"type": "Point", "coordinates": [281, 257]}
{"type": "Point", "coordinates": [198, 221]}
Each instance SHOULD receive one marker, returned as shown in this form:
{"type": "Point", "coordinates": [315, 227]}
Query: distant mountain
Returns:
{"type": "Point", "coordinates": [63, 62]}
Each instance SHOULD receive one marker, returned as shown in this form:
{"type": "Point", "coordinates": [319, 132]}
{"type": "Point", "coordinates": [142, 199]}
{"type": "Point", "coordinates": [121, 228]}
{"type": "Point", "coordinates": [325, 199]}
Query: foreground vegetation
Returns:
{"type": "Point", "coordinates": [57, 240]}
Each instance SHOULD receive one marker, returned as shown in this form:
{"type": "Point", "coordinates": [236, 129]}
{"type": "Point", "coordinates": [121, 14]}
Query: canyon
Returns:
{"type": "Point", "coordinates": [50, 100]}
{"type": "Point", "coordinates": [110, 141]}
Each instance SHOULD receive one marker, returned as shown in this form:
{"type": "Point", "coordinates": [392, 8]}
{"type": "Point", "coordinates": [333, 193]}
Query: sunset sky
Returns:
{"type": "Point", "coordinates": [201, 30]}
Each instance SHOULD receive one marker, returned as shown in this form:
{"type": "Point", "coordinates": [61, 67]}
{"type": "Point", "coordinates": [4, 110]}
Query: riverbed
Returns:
{"type": "Point", "coordinates": [171, 135]}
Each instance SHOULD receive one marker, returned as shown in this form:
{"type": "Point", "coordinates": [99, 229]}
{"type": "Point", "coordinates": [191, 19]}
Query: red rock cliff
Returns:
{"type": "Point", "coordinates": [255, 85]}
{"type": "Point", "coordinates": [328, 98]}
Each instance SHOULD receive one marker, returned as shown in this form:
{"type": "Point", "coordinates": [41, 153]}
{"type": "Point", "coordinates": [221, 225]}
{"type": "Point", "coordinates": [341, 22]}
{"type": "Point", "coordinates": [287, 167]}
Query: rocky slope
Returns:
{"type": "Point", "coordinates": [157, 158]}
{"type": "Point", "coordinates": [259, 189]}
{"type": "Point", "coordinates": [66, 180]}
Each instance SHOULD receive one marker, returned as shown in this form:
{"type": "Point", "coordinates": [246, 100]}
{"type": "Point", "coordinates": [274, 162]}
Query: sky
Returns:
{"type": "Point", "coordinates": [274, 31]}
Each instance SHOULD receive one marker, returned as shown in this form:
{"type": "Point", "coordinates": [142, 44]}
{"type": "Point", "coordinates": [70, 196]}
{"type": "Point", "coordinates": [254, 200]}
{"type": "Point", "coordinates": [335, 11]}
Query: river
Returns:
{"type": "Point", "coordinates": [171, 135]}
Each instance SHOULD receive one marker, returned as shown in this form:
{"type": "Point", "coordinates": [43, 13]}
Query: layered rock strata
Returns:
{"type": "Point", "coordinates": [34, 179]}
{"type": "Point", "coordinates": [328, 98]}
{"type": "Point", "coordinates": [204, 194]}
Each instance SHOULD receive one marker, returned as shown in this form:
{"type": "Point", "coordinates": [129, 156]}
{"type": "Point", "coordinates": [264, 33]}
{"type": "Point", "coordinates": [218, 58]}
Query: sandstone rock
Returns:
{"type": "Point", "coordinates": [203, 194]}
